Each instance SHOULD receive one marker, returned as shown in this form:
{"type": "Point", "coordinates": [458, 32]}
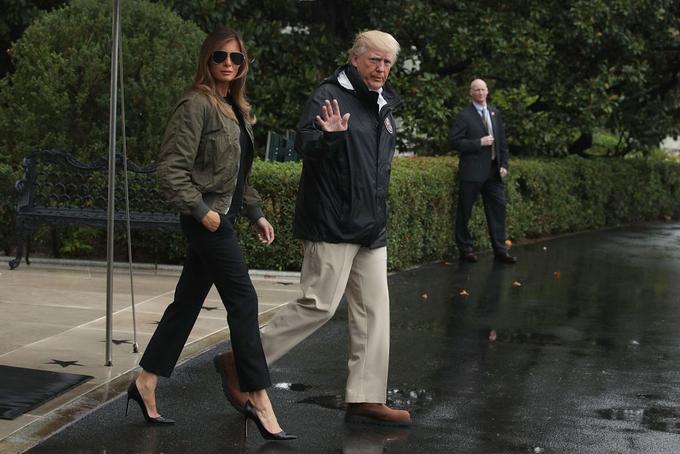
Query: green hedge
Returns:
{"type": "Point", "coordinates": [545, 197]}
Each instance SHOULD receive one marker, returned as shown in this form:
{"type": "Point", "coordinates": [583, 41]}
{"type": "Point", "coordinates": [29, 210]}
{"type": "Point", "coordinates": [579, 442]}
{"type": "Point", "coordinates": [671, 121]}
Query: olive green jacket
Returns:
{"type": "Point", "coordinates": [199, 160]}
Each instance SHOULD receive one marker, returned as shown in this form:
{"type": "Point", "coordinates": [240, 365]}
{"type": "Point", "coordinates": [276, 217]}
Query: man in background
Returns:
{"type": "Point", "coordinates": [477, 134]}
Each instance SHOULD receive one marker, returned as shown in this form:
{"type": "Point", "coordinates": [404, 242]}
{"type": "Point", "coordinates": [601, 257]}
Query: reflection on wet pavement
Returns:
{"type": "Point", "coordinates": [372, 440]}
{"type": "Point", "coordinates": [333, 401]}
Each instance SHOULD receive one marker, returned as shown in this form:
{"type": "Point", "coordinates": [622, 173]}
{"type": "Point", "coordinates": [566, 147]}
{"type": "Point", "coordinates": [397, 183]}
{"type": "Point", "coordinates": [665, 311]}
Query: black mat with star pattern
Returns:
{"type": "Point", "coordinates": [23, 389]}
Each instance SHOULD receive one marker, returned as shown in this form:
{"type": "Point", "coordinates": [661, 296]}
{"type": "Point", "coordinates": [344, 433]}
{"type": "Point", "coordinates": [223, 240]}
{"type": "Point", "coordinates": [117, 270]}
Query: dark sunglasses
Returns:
{"type": "Point", "coordinates": [219, 56]}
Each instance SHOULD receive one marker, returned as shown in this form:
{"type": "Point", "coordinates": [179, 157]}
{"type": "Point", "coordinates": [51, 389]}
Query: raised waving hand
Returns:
{"type": "Point", "coordinates": [330, 119]}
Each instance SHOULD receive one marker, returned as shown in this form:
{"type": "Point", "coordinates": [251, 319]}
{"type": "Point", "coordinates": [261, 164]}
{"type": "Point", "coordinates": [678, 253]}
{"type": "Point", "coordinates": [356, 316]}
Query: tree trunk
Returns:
{"type": "Point", "coordinates": [580, 145]}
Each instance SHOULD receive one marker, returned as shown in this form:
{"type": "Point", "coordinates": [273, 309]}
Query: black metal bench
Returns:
{"type": "Point", "coordinates": [58, 189]}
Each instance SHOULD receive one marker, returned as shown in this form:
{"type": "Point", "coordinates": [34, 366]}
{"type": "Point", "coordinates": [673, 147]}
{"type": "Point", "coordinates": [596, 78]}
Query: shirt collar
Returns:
{"type": "Point", "coordinates": [343, 80]}
{"type": "Point", "coordinates": [479, 107]}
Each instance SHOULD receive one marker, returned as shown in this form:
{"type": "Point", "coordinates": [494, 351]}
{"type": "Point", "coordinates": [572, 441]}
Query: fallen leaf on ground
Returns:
{"type": "Point", "coordinates": [424, 296]}
{"type": "Point", "coordinates": [464, 293]}
{"type": "Point", "coordinates": [556, 274]}
{"type": "Point", "coordinates": [517, 284]}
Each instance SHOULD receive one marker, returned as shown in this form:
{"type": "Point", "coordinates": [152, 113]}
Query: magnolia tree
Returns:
{"type": "Point", "coordinates": [560, 71]}
{"type": "Point", "coordinates": [58, 95]}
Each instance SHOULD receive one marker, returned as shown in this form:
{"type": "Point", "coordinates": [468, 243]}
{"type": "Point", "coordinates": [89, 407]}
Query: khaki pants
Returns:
{"type": "Point", "coordinates": [329, 271]}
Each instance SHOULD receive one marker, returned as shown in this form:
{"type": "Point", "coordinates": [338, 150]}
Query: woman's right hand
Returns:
{"type": "Point", "coordinates": [211, 220]}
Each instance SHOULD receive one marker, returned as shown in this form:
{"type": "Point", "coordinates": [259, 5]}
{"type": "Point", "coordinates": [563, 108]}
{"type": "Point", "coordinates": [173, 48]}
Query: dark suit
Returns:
{"type": "Point", "coordinates": [478, 173]}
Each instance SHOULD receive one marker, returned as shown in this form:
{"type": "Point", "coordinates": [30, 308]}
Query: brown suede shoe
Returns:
{"type": "Point", "coordinates": [226, 367]}
{"type": "Point", "coordinates": [380, 414]}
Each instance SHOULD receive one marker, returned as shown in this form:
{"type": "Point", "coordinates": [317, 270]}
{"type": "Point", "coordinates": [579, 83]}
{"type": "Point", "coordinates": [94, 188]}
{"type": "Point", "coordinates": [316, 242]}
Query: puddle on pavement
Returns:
{"type": "Point", "coordinates": [407, 398]}
{"type": "Point", "coordinates": [649, 396]}
{"type": "Point", "coordinates": [523, 337]}
{"type": "Point", "coordinates": [654, 418]}
{"type": "Point", "coordinates": [292, 386]}
{"type": "Point", "coordinates": [399, 398]}
{"type": "Point", "coordinates": [435, 327]}
{"type": "Point", "coordinates": [544, 339]}
{"type": "Point", "coordinates": [606, 343]}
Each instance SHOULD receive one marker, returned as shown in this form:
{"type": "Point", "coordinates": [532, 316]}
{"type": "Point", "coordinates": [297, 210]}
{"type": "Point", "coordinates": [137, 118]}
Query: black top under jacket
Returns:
{"type": "Point", "coordinates": [246, 161]}
{"type": "Point", "coordinates": [345, 175]}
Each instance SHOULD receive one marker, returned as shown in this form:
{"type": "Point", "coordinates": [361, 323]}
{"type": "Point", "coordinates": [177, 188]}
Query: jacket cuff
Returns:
{"type": "Point", "coordinates": [253, 213]}
{"type": "Point", "coordinates": [200, 211]}
{"type": "Point", "coordinates": [331, 138]}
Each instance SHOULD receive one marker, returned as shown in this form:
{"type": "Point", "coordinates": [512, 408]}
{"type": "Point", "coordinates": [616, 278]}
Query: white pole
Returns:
{"type": "Point", "coordinates": [112, 180]}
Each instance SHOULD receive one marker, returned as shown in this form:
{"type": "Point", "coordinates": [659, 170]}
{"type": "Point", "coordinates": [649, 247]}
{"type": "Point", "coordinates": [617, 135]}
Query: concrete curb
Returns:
{"type": "Point", "coordinates": [145, 267]}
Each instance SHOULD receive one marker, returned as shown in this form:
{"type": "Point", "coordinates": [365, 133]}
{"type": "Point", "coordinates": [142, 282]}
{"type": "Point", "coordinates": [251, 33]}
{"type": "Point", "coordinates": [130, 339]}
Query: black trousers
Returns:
{"type": "Point", "coordinates": [493, 196]}
{"type": "Point", "coordinates": [212, 258]}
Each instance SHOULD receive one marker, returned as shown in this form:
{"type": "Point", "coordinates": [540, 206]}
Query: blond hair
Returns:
{"type": "Point", "coordinates": [373, 40]}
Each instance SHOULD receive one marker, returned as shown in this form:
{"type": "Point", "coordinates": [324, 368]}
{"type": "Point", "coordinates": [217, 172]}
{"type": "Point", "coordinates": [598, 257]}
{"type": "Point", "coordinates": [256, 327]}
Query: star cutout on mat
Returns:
{"type": "Point", "coordinates": [209, 308]}
{"type": "Point", "coordinates": [65, 363]}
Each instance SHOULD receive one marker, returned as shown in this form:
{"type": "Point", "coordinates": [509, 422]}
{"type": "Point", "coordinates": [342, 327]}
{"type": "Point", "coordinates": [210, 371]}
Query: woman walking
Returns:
{"type": "Point", "coordinates": [204, 166]}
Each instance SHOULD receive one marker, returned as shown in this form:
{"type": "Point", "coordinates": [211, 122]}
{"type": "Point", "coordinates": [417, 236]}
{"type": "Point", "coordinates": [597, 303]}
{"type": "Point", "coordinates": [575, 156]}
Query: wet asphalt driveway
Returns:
{"type": "Point", "coordinates": [574, 349]}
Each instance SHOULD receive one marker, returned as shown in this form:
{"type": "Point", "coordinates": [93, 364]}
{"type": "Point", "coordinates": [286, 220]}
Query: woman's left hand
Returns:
{"type": "Point", "coordinates": [265, 231]}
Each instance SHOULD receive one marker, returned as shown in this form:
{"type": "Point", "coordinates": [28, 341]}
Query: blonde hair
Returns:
{"type": "Point", "coordinates": [205, 83]}
{"type": "Point", "coordinates": [373, 40]}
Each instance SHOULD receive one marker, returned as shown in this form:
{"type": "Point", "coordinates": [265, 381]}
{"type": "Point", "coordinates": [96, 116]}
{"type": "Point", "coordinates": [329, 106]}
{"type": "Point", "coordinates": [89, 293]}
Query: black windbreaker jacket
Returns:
{"type": "Point", "coordinates": [345, 175]}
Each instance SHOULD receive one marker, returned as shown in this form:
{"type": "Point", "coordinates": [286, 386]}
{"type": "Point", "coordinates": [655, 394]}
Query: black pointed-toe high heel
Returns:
{"type": "Point", "coordinates": [133, 393]}
{"type": "Point", "coordinates": [249, 413]}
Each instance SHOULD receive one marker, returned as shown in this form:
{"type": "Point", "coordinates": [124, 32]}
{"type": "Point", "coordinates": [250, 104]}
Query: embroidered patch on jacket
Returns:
{"type": "Point", "coordinates": [388, 125]}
